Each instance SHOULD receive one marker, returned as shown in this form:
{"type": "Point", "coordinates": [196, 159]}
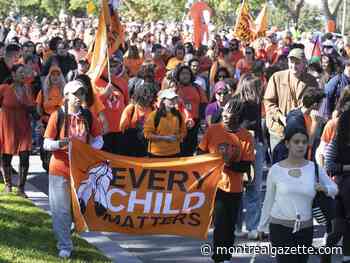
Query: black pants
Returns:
{"type": "Point", "coordinates": [281, 236]}
{"type": "Point", "coordinates": [112, 142]}
{"type": "Point", "coordinates": [225, 216]}
{"type": "Point", "coordinates": [190, 142]}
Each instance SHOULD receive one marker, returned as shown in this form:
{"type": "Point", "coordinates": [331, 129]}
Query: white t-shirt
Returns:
{"type": "Point", "coordinates": [288, 196]}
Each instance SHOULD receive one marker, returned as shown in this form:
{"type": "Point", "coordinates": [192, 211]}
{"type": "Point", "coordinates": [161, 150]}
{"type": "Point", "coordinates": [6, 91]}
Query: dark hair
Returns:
{"type": "Point", "coordinates": [216, 78]}
{"type": "Point", "coordinates": [16, 67]}
{"type": "Point", "coordinates": [133, 52]}
{"type": "Point", "coordinates": [343, 99]}
{"type": "Point", "coordinates": [249, 88]}
{"type": "Point", "coordinates": [11, 48]}
{"type": "Point", "coordinates": [53, 43]}
{"type": "Point", "coordinates": [342, 134]}
{"type": "Point", "coordinates": [161, 112]}
{"type": "Point", "coordinates": [311, 96]}
{"type": "Point", "coordinates": [140, 93]}
{"type": "Point", "coordinates": [194, 59]}
{"type": "Point", "coordinates": [86, 81]}
{"type": "Point", "coordinates": [28, 44]}
{"type": "Point", "coordinates": [290, 131]}
{"type": "Point", "coordinates": [234, 105]}
{"type": "Point", "coordinates": [178, 71]}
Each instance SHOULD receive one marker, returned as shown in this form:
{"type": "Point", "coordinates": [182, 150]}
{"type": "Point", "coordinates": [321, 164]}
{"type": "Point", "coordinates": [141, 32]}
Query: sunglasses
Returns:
{"type": "Point", "coordinates": [223, 93]}
{"type": "Point", "coordinates": [222, 76]}
{"type": "Point", "coordinates": [249, 53]}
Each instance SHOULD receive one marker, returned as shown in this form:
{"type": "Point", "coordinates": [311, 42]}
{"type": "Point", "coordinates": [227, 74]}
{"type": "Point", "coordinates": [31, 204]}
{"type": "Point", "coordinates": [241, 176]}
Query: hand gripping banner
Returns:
{"type": "Point", "coordinates": [141, 196]}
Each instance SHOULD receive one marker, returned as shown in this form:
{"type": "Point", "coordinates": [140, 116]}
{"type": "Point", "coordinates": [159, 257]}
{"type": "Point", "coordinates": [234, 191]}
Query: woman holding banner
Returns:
{"type": "Point", "coordinates": [70, 121]}
{"type": "Point", "coordinates": [237, 148]}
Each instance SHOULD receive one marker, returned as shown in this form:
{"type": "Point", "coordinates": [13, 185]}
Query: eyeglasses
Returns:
{"type": "Point", "coordinates": [222, 76]}
{"type": "Point", "coordinates": [248, 53]}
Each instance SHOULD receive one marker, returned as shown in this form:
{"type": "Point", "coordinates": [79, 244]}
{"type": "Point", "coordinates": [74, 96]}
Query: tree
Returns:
{"type": "Point", "coordinates": [293, 9]}
{"type": "Point", "coordinates": [331, 17]}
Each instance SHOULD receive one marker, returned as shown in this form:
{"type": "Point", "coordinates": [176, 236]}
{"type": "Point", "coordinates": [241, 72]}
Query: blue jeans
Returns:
{"type": "Point", "coordinates": [60, 206]}
{"type": "Point", "coordinates": [252, 196]}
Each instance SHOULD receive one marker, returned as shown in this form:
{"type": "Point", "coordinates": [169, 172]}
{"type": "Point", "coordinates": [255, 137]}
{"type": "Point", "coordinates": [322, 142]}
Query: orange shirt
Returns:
{"type": "Point", "coordinates": [59, 163]}
{"type": "Point", "coordinates": [172, 63]}
{"type": "Point", "coordinates": [160, 70]}
{"type": "Point", "coordinates": [330, 130]}
{"type": "Point", "coordinates": [192, 97]}
{"type": "Point", "coordinates": [53, 101]}
{"type": "Point", "coordinates": [238, 146]}
{"type": "Point", "coordinates": [133, 114]}
{"type": "Point", "coordinates": [243, 66]}
{"type": "Point", "coordinates": [168, 125]}
{"type": "Point", "coordinates": [114, 106]}
{"type": "Point", "coordinates": [120, 82]}
{"type": "Point", "coordinates": [236, 56]}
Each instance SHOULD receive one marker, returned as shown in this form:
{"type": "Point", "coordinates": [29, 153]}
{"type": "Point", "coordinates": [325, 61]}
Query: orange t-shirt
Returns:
{"type": "Point", "coordinates": [119, 82]}
{"type": "Point", "coordinates": [236, 56]}
{"type": "Point", "coordinates": [330, 130]}
{"type": "Point", "coordinates": [192, 97]}
{"type": "Point", "coordinates": [243, 66]}
{"type": "Point", "coordinates": [238, 146]}
{"type": "Point", "coordinates": [53, 101]}
{"type": "Point", "coordinates": [133, 114]}
{"type": "Point", "coordinates": [114, 106]}
{"type": "Point", "coordinates": [59, 163]}
{"type": "Point", "coordinates": [172, 63]}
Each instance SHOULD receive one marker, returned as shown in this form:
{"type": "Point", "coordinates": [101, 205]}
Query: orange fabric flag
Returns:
{"type": "Point", "coordinates": [244, 28]}
{"type": "Point", "coordinates": [200, 26]}
{"type": "Point", "coordinates": [106, 37]}
{"type": "Point", "coordinates": [113, 193]}
{"type": "Point", "coordinates": [261, 23]}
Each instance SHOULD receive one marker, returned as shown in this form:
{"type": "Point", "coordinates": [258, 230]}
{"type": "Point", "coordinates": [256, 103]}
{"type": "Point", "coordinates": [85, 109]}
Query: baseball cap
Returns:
{"type": "Point", "coordinates": [72, 87]}
{"type": "Point", "coordinates": [219, 86]}
{"type": "Point", "coordinates": [167, 94]}
{"type": "Point", "coordinates": [297, 53]}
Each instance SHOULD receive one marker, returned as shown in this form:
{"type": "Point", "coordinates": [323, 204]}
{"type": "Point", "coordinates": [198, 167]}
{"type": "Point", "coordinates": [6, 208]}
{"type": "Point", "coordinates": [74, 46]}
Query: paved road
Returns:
{"type": "Point", "coordinates": [170, 249]}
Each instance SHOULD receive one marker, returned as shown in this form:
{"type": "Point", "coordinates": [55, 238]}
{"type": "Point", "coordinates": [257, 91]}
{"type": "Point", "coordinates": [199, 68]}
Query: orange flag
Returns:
{"type": "Point", "coordinates": [107, 41]}
{"type": "Point", "coordinates": [143, 196]}
{"type": "Point", "coordinates": [200, 25]}
{"type": "Point", "coordinates": [244, 28]}
{"type": "Point", "coordinates": [261, 23]}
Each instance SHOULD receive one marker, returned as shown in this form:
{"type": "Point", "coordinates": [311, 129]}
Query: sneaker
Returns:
{"type": "Point", "coordinates": [253, 235]}
{"type": "Point", "coordinates": [64, 253]}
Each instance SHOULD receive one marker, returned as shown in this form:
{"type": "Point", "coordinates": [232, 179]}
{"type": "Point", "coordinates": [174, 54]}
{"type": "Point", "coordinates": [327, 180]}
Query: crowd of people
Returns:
{"type": "Point", "coordinates": [268, 102]}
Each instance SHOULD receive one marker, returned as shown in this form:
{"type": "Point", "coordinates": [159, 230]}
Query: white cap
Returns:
{"type": "Point", "coordinates": [72, 87]}
{"type": "Point", "coordinates": [167, 94]}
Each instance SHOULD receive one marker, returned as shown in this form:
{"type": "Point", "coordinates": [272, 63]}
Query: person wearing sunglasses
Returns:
{"type": "Point", "coordinates": [222, 94]}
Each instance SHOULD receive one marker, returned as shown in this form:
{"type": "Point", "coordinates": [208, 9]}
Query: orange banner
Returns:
{"type": "Point", "coordinates": [113, 193]}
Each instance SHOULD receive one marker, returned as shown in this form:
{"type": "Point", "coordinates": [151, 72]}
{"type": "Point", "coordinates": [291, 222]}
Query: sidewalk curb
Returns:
{"type": "Point", "coordinates": [108, 247]}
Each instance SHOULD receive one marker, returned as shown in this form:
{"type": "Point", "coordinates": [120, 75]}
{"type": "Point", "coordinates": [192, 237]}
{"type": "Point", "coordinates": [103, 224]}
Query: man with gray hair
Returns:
{"type": "Point", "coordinates": [284, 93]}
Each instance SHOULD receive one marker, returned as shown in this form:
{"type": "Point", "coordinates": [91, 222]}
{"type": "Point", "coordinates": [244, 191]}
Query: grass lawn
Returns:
{"type": "Point", "coordinates": [26, 235]}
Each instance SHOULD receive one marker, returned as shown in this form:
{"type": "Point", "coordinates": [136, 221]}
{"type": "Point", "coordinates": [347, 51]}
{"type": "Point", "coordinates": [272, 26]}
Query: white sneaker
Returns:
{"type": "Point", "coordinates": [253, 235]}
{"type": "Point", "coordinates": [64, 253]}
